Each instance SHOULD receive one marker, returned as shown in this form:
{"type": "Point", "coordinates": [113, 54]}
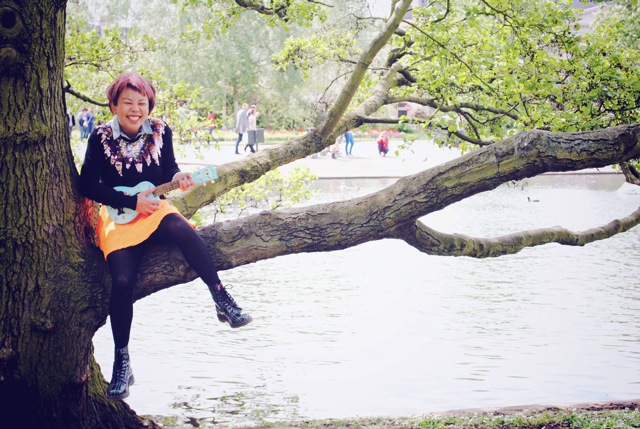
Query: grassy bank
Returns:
{"type": "Point", "coordinates": [609, 415]}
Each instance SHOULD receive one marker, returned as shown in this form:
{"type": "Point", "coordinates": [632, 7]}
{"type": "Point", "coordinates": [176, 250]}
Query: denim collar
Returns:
{"type": "Point", "coordinates": [117, 131]}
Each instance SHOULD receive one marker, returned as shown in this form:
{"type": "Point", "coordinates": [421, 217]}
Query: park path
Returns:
{"type": "Point", "coordinates": [364, 163]}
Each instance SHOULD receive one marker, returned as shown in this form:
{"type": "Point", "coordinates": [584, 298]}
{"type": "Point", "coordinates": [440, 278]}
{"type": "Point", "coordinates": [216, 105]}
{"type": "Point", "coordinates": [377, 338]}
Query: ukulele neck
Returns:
{"type": "Point", "coordinates": [166, 187]}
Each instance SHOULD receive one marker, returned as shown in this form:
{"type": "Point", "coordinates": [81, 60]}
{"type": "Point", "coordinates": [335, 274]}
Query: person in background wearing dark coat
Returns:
{"type": "Point", "coordinates": [82, 118]}
{"type": "Point", "coordinates": [71, 121]}
{"type": "Point", "coordinates": [90, 121]}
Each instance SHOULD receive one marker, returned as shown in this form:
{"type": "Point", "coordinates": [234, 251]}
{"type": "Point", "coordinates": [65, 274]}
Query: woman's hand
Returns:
{"type": "Point", "coordinates": [145, 205]}
{"type": "Point", "coordinates": [186, 181]}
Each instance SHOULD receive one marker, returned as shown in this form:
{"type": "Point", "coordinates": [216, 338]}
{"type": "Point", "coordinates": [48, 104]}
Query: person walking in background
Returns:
{"type": "Point", "coordinates": [253, 126]}
{"type": "Point", "coordinates": [71, 121]}
{"type": "Point", "coordinates": [383, 143]}
{"type": "Point", "coordinates": [348, 143]}
{"type": "Point", "coordinates": [211, 125]}
{"type": "Point", "coordinates": [242, 124]}
{"type": "Point", "coordinates": [335, 147]}
{"type": "Point", "coordinates": [131, 148]}
{"type": "Point", "coordinates": [81, 123]}
{"type": "Point", "coordinates": [90, 122]}
{"type": "Point", "coordinates": [183, 112]}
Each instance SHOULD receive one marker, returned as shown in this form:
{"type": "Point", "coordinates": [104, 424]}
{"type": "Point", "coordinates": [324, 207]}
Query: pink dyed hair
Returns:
{"type": "Point", "coordinates": [134, 81]}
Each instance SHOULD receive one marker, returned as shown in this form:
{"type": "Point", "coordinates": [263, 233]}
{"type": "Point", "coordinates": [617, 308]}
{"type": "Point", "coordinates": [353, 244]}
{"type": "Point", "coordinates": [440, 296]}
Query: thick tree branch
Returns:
{"type": "Point", "coordinates": [631, 174]}
{"type": "Point", "coordinates": [344, 224]}
{"type": "Point", "coordinates": [433, 242]}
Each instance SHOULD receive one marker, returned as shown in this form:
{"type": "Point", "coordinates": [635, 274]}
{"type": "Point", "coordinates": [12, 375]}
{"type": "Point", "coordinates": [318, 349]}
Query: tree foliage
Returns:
{"type": "Point", "coordinates": [505, 67]}
{"type": "Point", "coordinates": [223, 56]}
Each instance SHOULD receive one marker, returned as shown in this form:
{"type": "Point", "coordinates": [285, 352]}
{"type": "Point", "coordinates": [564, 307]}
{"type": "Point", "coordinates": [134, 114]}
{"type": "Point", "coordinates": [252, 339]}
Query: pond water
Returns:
{"type": "Point", "coordinates": [382, 329]}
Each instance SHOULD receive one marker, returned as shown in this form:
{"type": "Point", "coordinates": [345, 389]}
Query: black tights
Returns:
{"type": "Point", "coordinates": [123, 263]}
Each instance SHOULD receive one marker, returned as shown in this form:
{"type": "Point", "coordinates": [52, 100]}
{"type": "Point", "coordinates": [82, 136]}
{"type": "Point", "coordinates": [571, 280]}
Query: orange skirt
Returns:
{"type": "Point", "coordinates": [113, 236]}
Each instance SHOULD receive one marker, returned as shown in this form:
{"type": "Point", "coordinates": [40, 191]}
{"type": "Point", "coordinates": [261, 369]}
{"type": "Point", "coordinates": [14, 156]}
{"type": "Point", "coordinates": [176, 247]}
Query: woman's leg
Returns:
{"type": "Point", "coordinates": [123, 265]}
{"type": "Point", "coordinates": [174, 229]}
{"type": "Point", "coordinates": [238, 142]}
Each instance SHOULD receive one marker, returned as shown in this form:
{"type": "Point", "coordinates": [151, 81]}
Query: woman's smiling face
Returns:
{"type": "Point", "coordinates": [132, 110]}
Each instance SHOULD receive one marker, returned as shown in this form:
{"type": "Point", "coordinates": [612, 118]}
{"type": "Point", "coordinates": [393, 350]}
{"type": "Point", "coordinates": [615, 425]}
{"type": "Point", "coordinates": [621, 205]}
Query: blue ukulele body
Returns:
{"type": "Point", "coordinates": [126, 215]}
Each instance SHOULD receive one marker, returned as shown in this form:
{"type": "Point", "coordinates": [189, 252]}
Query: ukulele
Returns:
{"type": "Point", "coordinates": [126, 215]}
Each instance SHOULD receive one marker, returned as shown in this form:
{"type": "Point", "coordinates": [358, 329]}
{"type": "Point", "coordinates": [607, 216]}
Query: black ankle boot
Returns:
{"type": "Point", "coordinates": [227, 309]}
{"type": "Point", "coordinates": [122, 376]}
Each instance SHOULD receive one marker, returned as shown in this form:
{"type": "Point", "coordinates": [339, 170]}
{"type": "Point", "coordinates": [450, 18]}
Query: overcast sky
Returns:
{"type": "Point", "coordinates": [379, 7]}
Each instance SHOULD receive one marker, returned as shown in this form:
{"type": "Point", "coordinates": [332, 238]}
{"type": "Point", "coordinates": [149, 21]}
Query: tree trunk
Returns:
{"type": "Point", "coordinates": [52, 280]}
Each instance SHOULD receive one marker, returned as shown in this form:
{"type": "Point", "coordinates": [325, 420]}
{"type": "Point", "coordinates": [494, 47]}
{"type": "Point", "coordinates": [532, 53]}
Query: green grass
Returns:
{"type": "Point", "coordinates": [604, 419]}
{"type": "Point", "coordinates": [610, 416]}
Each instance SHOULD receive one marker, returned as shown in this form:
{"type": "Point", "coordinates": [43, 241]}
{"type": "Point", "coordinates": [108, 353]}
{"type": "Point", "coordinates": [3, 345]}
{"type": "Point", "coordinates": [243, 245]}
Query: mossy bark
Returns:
{"type": "Point", "coordinates": [52, 297]}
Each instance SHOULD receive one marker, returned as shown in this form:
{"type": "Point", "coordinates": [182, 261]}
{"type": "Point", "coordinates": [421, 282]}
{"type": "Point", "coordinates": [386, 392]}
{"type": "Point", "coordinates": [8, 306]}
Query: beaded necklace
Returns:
{"type": "Point", "coordinates": [145, 149]}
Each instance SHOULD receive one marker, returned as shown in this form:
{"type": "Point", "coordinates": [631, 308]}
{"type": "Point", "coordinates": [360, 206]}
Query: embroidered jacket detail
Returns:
{"type": "Point", "coordinates": [145, 149]}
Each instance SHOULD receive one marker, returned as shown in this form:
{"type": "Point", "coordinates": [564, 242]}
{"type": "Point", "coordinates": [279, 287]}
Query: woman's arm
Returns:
{"type": "Point", "coordinates": [90, 185]}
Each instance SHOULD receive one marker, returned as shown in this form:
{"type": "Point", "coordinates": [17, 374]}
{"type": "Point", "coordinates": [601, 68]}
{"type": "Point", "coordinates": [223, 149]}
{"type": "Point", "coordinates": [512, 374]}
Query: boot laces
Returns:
{"type": "Point", "coordinates": [122, 370]}
{"type": "Point", "coordinates": [225, 299]}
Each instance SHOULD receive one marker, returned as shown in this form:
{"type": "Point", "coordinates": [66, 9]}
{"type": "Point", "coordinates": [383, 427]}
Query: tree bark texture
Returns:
{"type": "Point", "coordinates": [52, 296]}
